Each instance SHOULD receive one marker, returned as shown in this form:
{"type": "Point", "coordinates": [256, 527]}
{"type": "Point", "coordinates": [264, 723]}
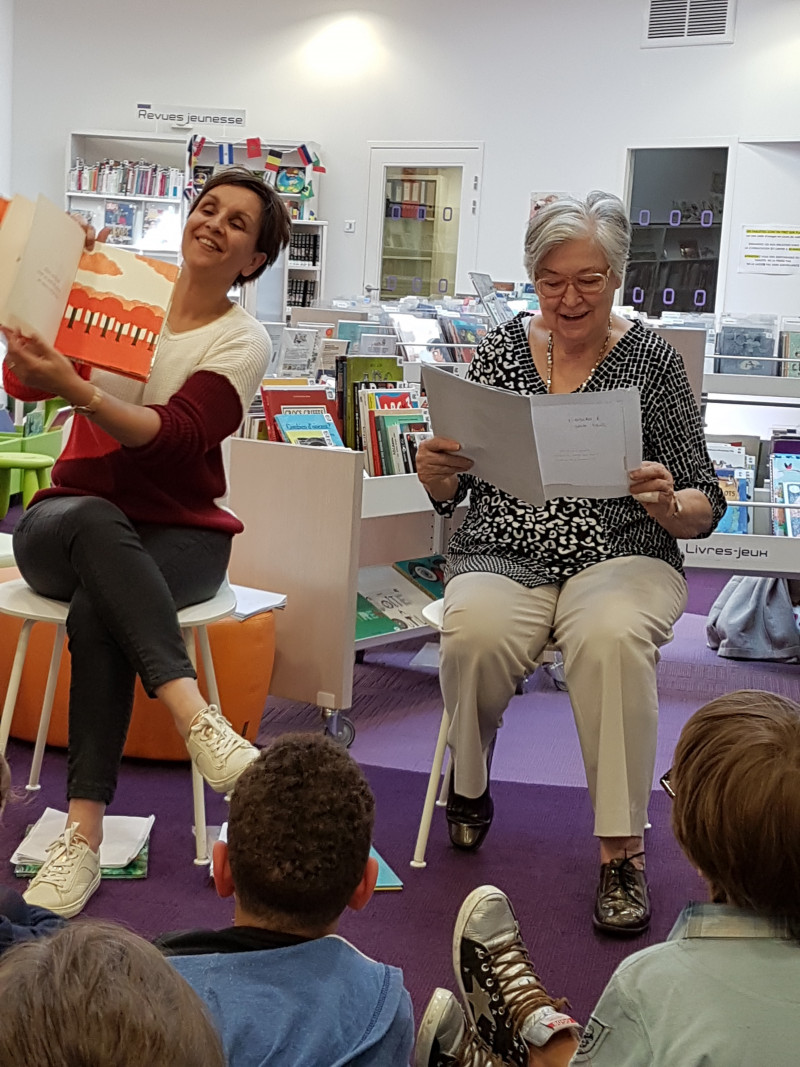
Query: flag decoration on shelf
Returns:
{"type": "Point", "coordinates": [305, 155]}
{"type": "Point", "coordinates": [196, 147]}
{"type": "Point", "coordinates": [225, 153]}
{"type": "Point", "coordinates": [274, 158]}
{"type": "Point", "coordinates": [188, 190]}
{"type": "Point", "coordinates": [317, 166]}
{"type": "Point", "coordinates": [253, 147]}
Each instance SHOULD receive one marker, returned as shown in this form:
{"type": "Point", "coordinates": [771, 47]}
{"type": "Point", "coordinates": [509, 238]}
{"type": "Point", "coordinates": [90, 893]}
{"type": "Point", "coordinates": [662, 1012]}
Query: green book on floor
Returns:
{"type": "Point", "coordinates": [387, 879]}
{"type": "Point", "coordinates": [137, 868]}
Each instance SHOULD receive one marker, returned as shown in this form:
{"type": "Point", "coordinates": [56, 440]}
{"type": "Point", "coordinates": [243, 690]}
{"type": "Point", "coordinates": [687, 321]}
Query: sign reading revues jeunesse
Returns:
{"type": "Point", "coordinates": [190, 116]}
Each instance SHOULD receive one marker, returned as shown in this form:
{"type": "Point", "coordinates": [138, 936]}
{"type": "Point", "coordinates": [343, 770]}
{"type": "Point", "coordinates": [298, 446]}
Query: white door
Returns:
{"type": "Point", "coordinates": [422, 218]}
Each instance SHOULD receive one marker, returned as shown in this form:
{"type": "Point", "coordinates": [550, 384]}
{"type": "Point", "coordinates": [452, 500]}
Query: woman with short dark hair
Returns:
{"type": "Point", "coordinates": [130, 531]}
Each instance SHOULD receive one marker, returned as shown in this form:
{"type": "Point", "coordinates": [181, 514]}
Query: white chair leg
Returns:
{"type": "Point", "coordinates": [448, 770]}
{"type": "Point", "coordinates": [47, 708]}
{"type": "Point", "coordinates": [201, 857]}
{"type": "Point", "coordinates": [13, 683]}
{"type": "Point", "coordinates": [208, 665]}
{"type": "Point", "coordinates": [430, 795]}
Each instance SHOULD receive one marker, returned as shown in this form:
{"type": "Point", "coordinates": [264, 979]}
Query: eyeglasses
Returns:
{"type": "Point", "coordinates": [666, 784]}
{"type": "Point", "coordinates": [586, 284]}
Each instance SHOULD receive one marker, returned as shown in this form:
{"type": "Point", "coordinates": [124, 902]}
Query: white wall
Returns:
{"type": "Point", "coordinates": [6, 48]}
{"type": "Point", "coordinates": [557, 89]}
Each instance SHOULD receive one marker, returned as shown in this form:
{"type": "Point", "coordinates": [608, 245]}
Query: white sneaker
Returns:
{"type": "Point", "coordinates": [68, 876]}
{"type": "Point", "coordinates": [218, 752]}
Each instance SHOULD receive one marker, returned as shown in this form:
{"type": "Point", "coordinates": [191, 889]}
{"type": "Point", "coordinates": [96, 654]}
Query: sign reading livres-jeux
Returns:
{"type": "Point", "coordinates": [190, 116]}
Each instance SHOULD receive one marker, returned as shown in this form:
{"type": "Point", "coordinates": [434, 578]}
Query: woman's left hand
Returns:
{"type": "Point", "coordinates": [38, 365]}
{"type": "Point", "coordinates": [656, 482]}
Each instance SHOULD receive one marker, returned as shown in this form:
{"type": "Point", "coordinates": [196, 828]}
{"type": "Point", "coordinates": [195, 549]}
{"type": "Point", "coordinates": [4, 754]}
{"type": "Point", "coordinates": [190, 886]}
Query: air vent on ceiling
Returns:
{"type": "Point", "coordinates": [688, 22]}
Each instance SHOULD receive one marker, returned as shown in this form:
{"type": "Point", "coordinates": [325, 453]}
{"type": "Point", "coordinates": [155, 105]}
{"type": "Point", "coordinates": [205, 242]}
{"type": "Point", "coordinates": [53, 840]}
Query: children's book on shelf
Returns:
{"type": "Point", "coordinates": [419, 336]}
{"type": "Point", "coordinates": [390, 593]}
{"type": "Point", "coordinates": [370, 622]}
{"type": "Point", "coordinates": [427, 573]}
{"type": "Point", "coordinates": [352, 331]}
{"type": "Point", "coordinates": [120, 217]}
{"type": "Point", "coordinates": [735, 469]}
{"type": "Point", "coordinates": [329, 351]}
{"type": "Point", "coordinates": [746, 345]}
{"type": "Point", "coordinates": [463, 330]}
{"type": "Point", "coordinates": [161, 226]}
{"type": "Point", "coordinates": [412, 441]}
{"type": "Point", "coordinates": [353, 369]}
{"type": "Point", "coordinates": [297, 353]}
{"type": "Point", "coordinates": [372, 399]}
{"type": "Point", "coordinates": [105, 307]}
{"type": "Point", "coordinates": [295, 400]}
{"type": "Point", "coordinates": [310, 429]}
{"type": "Point", "coordinates": [390, 428]}
{"type": "Point", "coordinates": [784, 472]}
{"type": "Point", "coordinates": [789, 347]}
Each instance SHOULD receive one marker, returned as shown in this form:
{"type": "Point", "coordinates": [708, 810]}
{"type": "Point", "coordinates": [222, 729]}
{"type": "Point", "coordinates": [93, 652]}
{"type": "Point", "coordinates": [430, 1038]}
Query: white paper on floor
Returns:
{"type": "Point", "coordinates": [123, 838]}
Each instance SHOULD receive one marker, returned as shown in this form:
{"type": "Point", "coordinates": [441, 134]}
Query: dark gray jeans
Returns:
{"type": "Point", "coordinates": [124, 582]}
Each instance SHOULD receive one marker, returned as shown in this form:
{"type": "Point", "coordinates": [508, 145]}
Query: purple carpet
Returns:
{"type": "Point", "coordinates": [539, 852]}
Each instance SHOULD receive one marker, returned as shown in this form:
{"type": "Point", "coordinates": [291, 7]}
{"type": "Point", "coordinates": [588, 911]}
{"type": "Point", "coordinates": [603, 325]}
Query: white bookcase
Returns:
{"type": "Point", "coordinates": [123, 195]}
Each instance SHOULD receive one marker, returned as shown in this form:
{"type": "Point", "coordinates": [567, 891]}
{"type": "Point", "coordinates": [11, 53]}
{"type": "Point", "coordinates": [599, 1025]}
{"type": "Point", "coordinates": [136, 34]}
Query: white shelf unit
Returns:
{"type": "Point", "coordinates": [151, 214]}
{"type": "Point", "coordinates": [311, 522]}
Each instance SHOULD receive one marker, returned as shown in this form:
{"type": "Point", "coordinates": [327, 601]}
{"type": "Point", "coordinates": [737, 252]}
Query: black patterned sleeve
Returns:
{"type": "Point", "coordinates": [673, 432]}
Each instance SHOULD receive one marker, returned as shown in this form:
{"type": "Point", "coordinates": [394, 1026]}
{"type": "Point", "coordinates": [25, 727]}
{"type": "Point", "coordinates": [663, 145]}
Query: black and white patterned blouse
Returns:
{"type": "Point", "coordinates": [541, 546]}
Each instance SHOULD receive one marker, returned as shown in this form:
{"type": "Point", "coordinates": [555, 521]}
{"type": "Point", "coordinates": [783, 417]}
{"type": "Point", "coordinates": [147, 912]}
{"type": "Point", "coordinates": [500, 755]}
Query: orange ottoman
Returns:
{"type": "Point", "coordinates": [243, 652]}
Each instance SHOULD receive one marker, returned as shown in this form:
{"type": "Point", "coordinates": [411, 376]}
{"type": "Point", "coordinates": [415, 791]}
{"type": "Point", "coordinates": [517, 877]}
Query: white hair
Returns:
{"type": "Point", "coordinates": [601, 216]}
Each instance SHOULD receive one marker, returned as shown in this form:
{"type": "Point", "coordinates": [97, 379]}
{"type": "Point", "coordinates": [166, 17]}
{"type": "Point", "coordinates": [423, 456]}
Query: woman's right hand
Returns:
{"type": "Point", "coordinates": [439, 465]}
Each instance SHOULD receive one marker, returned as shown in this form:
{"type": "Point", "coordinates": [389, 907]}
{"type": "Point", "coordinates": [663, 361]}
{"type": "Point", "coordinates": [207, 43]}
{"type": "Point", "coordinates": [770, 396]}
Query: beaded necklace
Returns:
{"type": "Point", "coordinates": [591, 372]}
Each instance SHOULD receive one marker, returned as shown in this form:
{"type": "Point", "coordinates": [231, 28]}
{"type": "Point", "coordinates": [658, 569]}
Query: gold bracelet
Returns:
{"type": "Point", "coordinates": [92, 406]}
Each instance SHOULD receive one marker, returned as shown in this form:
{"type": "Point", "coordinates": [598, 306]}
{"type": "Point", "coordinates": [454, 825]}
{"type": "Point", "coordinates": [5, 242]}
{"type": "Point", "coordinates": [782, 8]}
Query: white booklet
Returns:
{"type": "Point", "coordinates": [123, 838]}
{"type": "Point", "coordinates": [540, 447]}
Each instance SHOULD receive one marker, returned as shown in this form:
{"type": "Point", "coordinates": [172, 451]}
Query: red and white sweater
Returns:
{"type": "Point", "coordinates": [201, 384]}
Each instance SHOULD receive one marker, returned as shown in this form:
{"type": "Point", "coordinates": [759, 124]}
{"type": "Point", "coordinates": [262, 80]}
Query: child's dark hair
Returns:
{"type": "Point", "coordinates": [96, 993]}
{"type": "Point", "coordinates": [276, 226]}
{"type": "Point", "coordinates": [736, 813]}
{"type": "Point", "coordinates": [299, 831]}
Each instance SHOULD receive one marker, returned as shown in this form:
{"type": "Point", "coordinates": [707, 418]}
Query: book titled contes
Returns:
{"type": "Point", "coordinates": [105, 307]}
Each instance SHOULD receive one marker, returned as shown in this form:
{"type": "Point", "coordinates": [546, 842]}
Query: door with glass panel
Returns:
{"type": "Point", "coordinates": [422, 222]}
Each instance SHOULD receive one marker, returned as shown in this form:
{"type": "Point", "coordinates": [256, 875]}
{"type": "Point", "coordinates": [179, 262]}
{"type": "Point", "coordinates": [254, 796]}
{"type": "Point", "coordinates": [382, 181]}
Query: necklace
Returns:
{"type": "Point", "coordinates": [591, 372]}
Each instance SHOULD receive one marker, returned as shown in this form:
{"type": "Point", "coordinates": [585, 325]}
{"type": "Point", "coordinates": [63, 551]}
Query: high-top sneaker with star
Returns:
{"type": "Point", "coordinates": [445, 1038]}
{"type": "Point", "coordinates": [505, 999]}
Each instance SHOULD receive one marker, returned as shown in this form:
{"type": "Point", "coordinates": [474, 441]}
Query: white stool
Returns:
{"type": "Point", "coordinates": [18, 599]}
{"type": "Point", "coordinates": [433, 614]}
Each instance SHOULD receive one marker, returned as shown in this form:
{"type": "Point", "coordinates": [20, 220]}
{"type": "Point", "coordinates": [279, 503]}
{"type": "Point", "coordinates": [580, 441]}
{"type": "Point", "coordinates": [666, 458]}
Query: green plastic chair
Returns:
{"type": "Point", "coordinates": [34, 468]}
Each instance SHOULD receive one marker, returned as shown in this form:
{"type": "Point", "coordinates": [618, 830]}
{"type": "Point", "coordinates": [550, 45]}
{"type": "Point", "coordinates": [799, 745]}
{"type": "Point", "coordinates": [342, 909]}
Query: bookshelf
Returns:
{"type": "Point", "coordinates": [132, 182]}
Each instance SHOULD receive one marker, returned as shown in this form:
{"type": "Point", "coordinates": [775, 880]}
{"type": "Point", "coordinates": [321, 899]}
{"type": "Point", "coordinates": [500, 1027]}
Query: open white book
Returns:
{"type": "Point", "coordinates": [540, 447]}
{"type": "Point", "coordinates": [123, 838]}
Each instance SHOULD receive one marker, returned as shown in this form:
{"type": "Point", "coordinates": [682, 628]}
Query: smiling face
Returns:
{"type": "Point", "coordinates": [577, 318]}
{"type": "Point", "coordinates": [221, 233]}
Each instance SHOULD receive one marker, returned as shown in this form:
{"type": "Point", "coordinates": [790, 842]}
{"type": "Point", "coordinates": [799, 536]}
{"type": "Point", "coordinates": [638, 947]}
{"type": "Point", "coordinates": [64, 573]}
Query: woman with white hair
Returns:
{"type": "Point", "coordinates": [604, 577]}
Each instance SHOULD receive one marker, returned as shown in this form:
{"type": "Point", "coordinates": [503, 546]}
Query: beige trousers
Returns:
{"type": "Point", "coordinates": [608, 622]}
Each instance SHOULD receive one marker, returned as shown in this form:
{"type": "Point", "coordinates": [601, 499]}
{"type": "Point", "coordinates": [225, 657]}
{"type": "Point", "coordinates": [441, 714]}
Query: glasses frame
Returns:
{"type": "Point", "coordinates": [572, 279]}
{"type": "Point", "coordinates": [666, 784]}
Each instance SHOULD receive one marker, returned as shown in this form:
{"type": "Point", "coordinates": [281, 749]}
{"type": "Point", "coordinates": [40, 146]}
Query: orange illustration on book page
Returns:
{"type": "Point", "coordinates": [116, 310]}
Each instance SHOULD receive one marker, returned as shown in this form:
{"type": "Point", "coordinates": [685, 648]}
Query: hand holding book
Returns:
{"type": "Point", "coordinates": [438, 466]}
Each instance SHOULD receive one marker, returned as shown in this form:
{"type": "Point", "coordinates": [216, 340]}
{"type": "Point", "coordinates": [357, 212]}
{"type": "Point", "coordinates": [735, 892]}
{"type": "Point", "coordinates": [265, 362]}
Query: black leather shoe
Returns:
{"type": "Point", "coordinates": [469, 818]}
{"type": "Point", "coordinates": [623, 901]}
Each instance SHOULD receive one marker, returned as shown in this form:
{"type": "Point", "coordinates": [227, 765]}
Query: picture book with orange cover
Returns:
{"type": "Point", "coordinates": [105, 307]}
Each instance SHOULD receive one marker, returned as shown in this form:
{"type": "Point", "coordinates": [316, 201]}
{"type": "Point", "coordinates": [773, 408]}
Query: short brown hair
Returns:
{"type": "Point", "coordinates": [96, 993]}
{"type": "Point", "coordinates": [299, 830]}
{"type": "Point", "coordinates": [736, 813]}
{"type": "Point", "coordinates": [276, 226]}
